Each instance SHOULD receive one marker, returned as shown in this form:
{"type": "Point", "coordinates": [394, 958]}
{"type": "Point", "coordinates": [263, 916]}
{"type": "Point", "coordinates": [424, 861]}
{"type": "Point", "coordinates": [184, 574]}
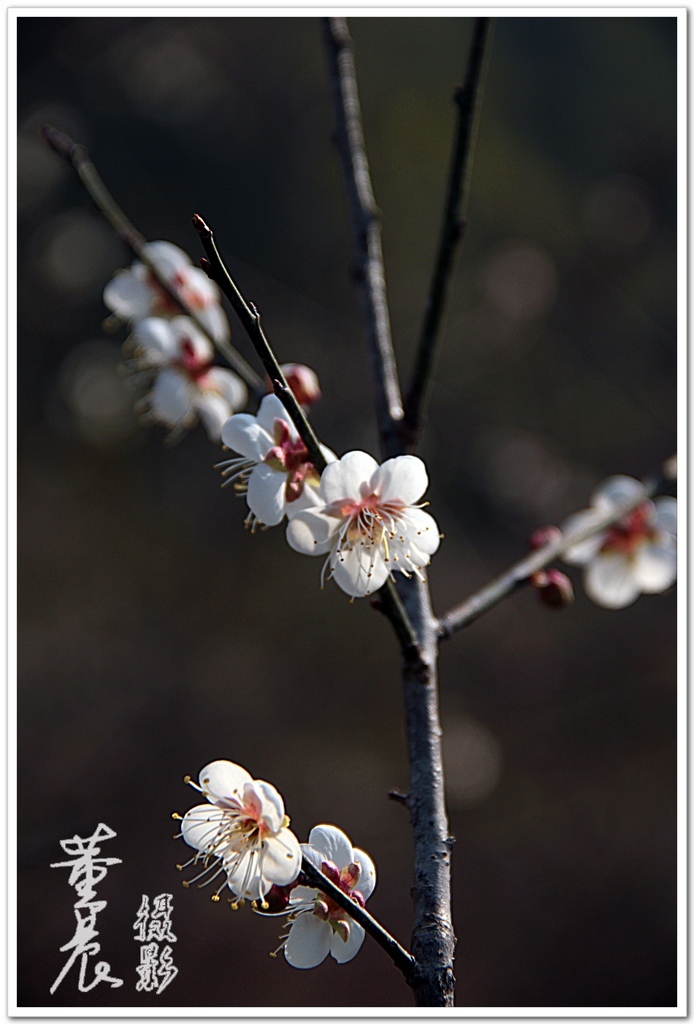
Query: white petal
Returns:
{"type": "Point", "coordinates": [201, 824]}
{"type": "Point", "coordinates": [585, 550]}
{"type": "Point", "coordinates": [665, 517]}
{"type": "Point", "coordinates": [243, 434]}
{"type": "Point", "coordinates": [171, 398]}
{"type": "Point", "coordinates": [328, 454]}
{"type": "Point", "coordinates": [616, 490]}
{"type": "Point", "coordinates": [367, 878]}
{"type": "Point", "coordinates": [349, 478]}
{"type": "Point", "coordinates": [422, 530]}
{"type": "Point", "coordinates": [228, 385]}
{"type": "Point", "coordinates": [303, 893]}
{"type": "Point", "coordinates": [610, 581]}
{"type": "Point", "coordinates": [154, 340]}
{"type": "Point", "coordinates": [212, 409]}
{"type": "Point", "coordinates": [311, 532]}
{"type": "Point", "coordinates": [270, 801]}
{"type": "Point", "coordinates": [655, 564]}
{"type": "Point", "coordinates": [167, 256]}
{"type": "Point", "coordinates": [309, 498]}
{"type": "Point", "coordinates": [271, 409]}
{"type": "Point", "coordinates": [128, 297]}
{"type": "Point", "coordinates": [345, 951]}
{"type": "Point", "coordinates": [402, 479]}
{"type": "Point", "coordinates": [360, 571]}
{"type": "Point", "coordinates": [221, 780]}
{"type": "Point", "coordinates": [309, 941]}
{"type": "Point", "coordinates": [332, 844]}
{"type": "Point", "coordinates": [281, 858]}
{"type": "Point", "coordinates": [266, 494]}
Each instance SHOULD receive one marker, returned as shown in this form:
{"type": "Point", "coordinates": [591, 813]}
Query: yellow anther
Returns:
{"type": "Point", "coordinates": [185, 884]}
{"type": "Point", "coordinates": [187, 779]}
{"type": "Point", "coordinates": [215, 897]}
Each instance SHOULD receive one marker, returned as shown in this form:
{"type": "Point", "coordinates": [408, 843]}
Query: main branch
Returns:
{"type": "Point", "coordinates": [369, 272]}
{"type": "Point", "coordinates": [433, 941]}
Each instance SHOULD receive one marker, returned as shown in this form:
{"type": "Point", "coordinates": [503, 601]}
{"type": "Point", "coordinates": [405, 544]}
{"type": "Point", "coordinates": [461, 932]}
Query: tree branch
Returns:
{"type": "Point", "coordinates": [403, 960]}
{"type": "Point", "coordinates": [433, 941]}
{"type": "Point", "coordinates": [467, 100]}
{"type": "Point", "coordinates": [78, 157]}
{"type": "Point", "coordinates": [488, 597]}
{"type": "Point", "coordinates": [369, 270]}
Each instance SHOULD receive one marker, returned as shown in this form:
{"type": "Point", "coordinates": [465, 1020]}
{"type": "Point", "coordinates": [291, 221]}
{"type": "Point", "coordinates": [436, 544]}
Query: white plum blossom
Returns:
{"type": "Point", "coordinates": [274, 468]}
{"type": "Point", "coordinates": [637, 554]}
{"type": "Point", "coordinates": [368, 523]}
{"type": "Point", "coordinates": [317, 926]}
{"type": "Point", "coordinates": [242, 832]}
{"type": "Point", "coordinates": [186, 385]}
{"type": "Point", "coordinates": [136, 293]}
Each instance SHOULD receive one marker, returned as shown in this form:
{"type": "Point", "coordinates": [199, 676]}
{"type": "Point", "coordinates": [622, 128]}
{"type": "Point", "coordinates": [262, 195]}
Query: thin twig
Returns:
{"type": "Point", "coordinates": [369, 271]}
{"type": "Point", "coordinates": [519, 574]}
{"type": "Point", "coordinates": [468, 102]}
{"type": "Point", "coordinates": [78, 157]}
{"type": "Point", "coordinates": [398, 954]}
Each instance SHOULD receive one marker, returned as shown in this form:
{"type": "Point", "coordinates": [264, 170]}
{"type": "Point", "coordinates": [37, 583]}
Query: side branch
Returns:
{"type": "Point", "coordinates": [519, 574]}
{"type": "Point", "coordinates": [78, 157]}
{"type": "Point", "coordinates": [250, 319]}
{"type": "Point", "coordinates": [467, 100]}
{"type": "Point", "coordinates": [369, 270]}
{"type": "Point", "coordinates": [403, 960]}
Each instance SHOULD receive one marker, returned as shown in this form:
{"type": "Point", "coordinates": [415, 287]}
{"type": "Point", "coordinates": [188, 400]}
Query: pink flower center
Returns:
{"type": "Point", "coordinates": [630, 532]}
{"type": "Point", "coordinates": [194, 365]}
{"type": "Point", "coordinates": [291, 457]}
{"type": "Point", "coordinates": [369, 517]}
{"type": "Point", "coordinates": [326, 908]}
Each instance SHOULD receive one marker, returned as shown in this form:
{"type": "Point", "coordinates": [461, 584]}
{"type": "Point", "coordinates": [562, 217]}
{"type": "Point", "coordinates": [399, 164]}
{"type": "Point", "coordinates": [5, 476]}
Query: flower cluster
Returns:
{"type": "Point", "coordinates": [171, 348]}
{"type": "Point", "coordinates": [637, 554]}
{"type": "Point", "coordinates": [242, 835]}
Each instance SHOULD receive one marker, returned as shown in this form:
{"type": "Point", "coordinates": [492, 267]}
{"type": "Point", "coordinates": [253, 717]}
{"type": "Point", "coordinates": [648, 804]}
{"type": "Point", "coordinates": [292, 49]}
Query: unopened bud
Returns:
{"type": "Point", "coordinates": [553, 588]}
{"type": "Point", "coordinates": [341, 927]}
{"type": "Point", "coordinates": [544, 535]}
{"type": "Point", "coordinates": [303, 381]}
{"type": "Point", "coordinates": [331, 871]}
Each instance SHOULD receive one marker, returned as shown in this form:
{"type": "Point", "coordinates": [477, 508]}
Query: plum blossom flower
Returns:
{"type": "Point", "coordinates": [274, 468]}
{"type": "Point", "coordinates": [637, 554]}
{"type": "Point", "coordinates": [242, 832]}
{"type": "Point", "coordinates": [186, 385]}
{"type": "Point", "coordinates": [136, 293]}
{"type": "Point", "coordinates": [368, 524]}
{"type": "Point", "coordinates": [317, 926]}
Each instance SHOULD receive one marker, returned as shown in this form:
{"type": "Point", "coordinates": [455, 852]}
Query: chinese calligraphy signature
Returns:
{"type": "Point", "coordinates": [152, 926]}
{"type": "Point", "coordinates": [87, 869]}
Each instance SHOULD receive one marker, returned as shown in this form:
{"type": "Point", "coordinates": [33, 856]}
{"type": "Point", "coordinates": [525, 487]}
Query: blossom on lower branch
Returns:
{"type": "Point", "coordinates": [637, 554]}
{"type": "Point", "coordinates": [317, 926]}
{"type": "Point", "coordinates": [187, 384]}
{"type": "Point", "coordinates": [367, 523]}
{"type": "Point", "coordinates": [274, 467]}
{"type": "Point", "coordinates": [242, 832]}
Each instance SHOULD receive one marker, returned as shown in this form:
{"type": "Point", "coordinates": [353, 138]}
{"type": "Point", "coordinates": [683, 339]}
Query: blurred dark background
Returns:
{"type": "Point", "coordinates": [156, 635]}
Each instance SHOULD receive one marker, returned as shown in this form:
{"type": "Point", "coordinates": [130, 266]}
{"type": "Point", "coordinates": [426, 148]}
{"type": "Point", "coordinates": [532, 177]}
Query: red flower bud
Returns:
{"type": "Point", "coordinates": [303, 382]}
{"type": "Point", "coordinates": [543, 535]}
{"type": "Point", "coordinates": [553, 588]}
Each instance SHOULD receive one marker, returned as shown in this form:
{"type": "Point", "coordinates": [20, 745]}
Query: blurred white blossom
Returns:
{"type": "Point", "coordinates": [638, 554]}
{"type": "Point", "coordinates": [186, 385]}
{"type": "Point", "coordinates": [136, 293]}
